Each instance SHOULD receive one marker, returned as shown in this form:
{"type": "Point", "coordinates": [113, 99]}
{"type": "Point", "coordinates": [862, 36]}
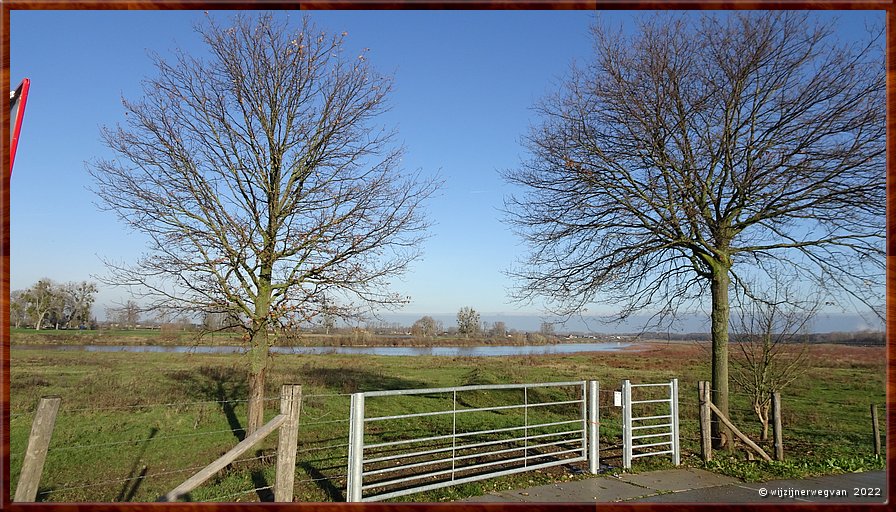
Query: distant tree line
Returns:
{"type": "Point", "coordinates": [843, 338]}
{"type": "Point", "coordinates": [48, 304]}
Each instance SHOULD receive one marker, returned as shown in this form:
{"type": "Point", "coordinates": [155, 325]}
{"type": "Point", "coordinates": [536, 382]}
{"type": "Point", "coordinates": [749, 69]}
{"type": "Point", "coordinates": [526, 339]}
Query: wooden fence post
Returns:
{"type": "Point", "coordinates": [705, 420]}
{"type": "Point", "coordinates": [777, 426]}
{"type": "Point", "coordinates": [291, 407]}
{"type": "Point", "coordinates": [876, 429]}
{"type": "Point", "coordinates": [38, 444]}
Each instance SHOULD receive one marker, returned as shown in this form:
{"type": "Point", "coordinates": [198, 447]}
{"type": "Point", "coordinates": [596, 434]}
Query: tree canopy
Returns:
{"type": "Point", "coordinates": [698, 154]}
{"type": "Point", "coordinates": [263, 182]}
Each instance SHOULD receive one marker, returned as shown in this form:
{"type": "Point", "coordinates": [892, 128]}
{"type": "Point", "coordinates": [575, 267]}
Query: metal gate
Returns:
{"type": "Point", "coordinates": [660, 429]}
{"type": "Point", "coordinates": [463, 434]}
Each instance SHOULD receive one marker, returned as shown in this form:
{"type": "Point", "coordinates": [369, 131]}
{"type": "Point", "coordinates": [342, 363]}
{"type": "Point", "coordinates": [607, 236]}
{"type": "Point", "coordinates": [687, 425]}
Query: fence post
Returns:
{"type": "Point", "coordinates": [355, 449]}
{"type": "Point", "coordinates": [38, 444]}
{"type": "Point", "coordinates": [876, 429]}
{"type": "Point", "coordinates": [291, 407]}
{"type": "Point", "coordinates": [626, 424]}
{"type": "Point", "coordinates": [593, 427]}
{"type": "Point", "coordinates": [676, 449]}
{"type": "Point", "coordinates": [705, 421]}
{"type": "Point", "coordinates": [777, 425]}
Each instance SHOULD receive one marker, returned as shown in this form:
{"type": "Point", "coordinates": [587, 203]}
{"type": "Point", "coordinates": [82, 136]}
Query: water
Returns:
{"type": "Point", "coordinates": [481, 351]}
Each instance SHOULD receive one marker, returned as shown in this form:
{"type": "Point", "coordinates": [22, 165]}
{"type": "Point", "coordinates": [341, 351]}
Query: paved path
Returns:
{"type": "Point", "coordinates": [689, 485]}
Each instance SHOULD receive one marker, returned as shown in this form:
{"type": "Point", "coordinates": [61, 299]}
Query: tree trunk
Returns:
{"type": "Point", "coordinates": [720, 315]}
{"type": "Point", "coordinates": [257, 375]}
{"type": "Point", "coordinates": [762, 413]}
{"type": "Point", "coordinates": [258, 356]}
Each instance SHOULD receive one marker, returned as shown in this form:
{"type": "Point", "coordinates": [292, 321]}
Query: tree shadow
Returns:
{"type": "Point", "coordinates": [350, 380]}
{"type": "Point", "coordinates": [43, 493]}
{"type": "Point", "coordinates": [264, 492]}
{"type": "Point", "coordinates": [325, 483]}
{"type": "Point", "coordinates": [138, 480]}
{"type": "Point", "coordinates": [226, 386]}
{"type": "Point", "coordinates": [222, 385]}
{"type": "Point", "coordinates": [132, 483]}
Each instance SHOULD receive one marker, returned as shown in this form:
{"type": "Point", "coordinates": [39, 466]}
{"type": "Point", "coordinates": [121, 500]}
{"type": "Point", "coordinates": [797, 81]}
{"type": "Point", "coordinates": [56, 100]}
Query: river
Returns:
{"type": "Point", "coordinates": [475, 351]}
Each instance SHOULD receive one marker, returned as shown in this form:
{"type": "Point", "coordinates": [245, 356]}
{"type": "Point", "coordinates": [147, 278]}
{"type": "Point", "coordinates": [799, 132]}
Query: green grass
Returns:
{"type": "Point", "coordinates": [23, 336]}
{"type": "Point", "coordinates": [132, 426]}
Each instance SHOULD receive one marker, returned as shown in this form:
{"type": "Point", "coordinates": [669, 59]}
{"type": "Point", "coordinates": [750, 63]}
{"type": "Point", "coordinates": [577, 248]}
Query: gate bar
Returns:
{"type": "Point", "coordinates": [663, 400]}
{"type": "Point", "coordinates": [466, 468]}
{"type": "Point", "coordinates": [468, 388]}
{"type": "Point", "coordinates": [652, 435]}
{"type": "Point", "coordinates": [355, 449]}
{"type": "Point", "coordinates": [676, 449]}
{"type": "Point", "coordinates": [593, 428]}
{"type": "Point", "coordinates": [635, 456]}
{"type": "Point", "coordinates": [627, 424]}
{"type": "Point", "coordinates": [411, 455]}
{"type": "Point", "coordinates": [663, 417]}
{"type": "Point", "coordinates": [658, 425]}
{"type": "Point", "coordinates": [651, 445]}
{"type": "Point", "coordinates": [463, 434]}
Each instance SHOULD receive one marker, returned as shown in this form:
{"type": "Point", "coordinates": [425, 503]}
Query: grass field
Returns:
{"type": "Point", "coordinates": [132, 426]}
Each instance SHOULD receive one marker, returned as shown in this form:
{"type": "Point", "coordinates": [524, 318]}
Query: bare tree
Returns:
{"type": "Point", "coordinates": [498, 330]}
{"type": "Point", "coordinates": [127, 314]}
{"type": "Point", "coordinates": [426, 327]}
{"type": "Point", "coordinates": [262, 183]}
{"type": "Point", "coordinates": [468, 322]}
{"type": "Point", "coordinates": [40, 299]}
{"type": "Point", "coordinates": [213, 322]}
{"type": "Point", "coordinates": [771, 349]}
{"type": "Point", "coordinates": [700, 154]}
{"type": "Point", "coordinates": [547, 330]}
{"type": "Point", "coordinates": [18, 308]}
{"type": "Point", "coordinates": [75, 302]}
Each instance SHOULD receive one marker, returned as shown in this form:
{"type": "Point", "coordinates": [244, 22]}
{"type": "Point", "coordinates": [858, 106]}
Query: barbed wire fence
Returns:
{"type": "Point", "coordinates": [146, 474]}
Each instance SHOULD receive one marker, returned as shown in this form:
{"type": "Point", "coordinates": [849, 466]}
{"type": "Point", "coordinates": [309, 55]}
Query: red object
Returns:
{"type": "Point", "coordinates": [16, 113]}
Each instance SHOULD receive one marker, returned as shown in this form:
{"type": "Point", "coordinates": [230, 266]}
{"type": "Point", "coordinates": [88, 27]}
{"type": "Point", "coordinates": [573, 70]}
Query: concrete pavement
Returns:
{"type": "Point", "coordinates": [690, 485]}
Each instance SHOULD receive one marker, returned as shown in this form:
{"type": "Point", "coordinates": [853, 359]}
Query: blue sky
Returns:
{"type": "Point", "coordinates": [465, 82]}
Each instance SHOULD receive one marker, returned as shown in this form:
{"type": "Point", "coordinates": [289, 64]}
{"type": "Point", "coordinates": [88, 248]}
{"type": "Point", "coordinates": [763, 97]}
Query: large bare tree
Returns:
{"type": "Point", "coordinates": [699, 153]}
{"type": "Point", "coordinates": [262, 183]}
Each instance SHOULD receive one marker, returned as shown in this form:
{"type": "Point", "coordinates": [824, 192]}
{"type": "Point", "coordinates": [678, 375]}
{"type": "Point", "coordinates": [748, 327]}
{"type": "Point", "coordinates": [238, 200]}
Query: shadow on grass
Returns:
{"type": "Point", "coordinates": [132, 483]}
{"type": "Point", "coordinates": [350, 380]}
{"type": "Point", "coordinates": [226, 386]}
{"type": "Point", "coordinates": [43, 493]}
{"type": "Point", "coordinates": [325, 483]}
{"type": "Point", "coordinates": [264, 492]}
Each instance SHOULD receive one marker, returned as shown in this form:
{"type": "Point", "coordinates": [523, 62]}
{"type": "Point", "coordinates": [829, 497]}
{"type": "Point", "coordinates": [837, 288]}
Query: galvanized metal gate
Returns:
{"type": "Point", "coordinates": [660, 429]}
{"type": "Point", "coordinates": [467, 433]}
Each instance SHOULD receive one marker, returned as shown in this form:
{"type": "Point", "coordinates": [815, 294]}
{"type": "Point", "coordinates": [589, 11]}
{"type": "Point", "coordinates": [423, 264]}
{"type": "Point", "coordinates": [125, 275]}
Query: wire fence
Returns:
{"type": "Point", "coordinates": [200, 431]}
{"type": "Point", "coordinates": [146, 435]}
